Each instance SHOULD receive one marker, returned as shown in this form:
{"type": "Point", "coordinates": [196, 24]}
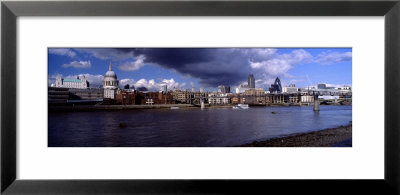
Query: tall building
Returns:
{"type": "Point", "coordinates": [227, 89]}
{"type": "Point", "coordinates": [221, 89]}
{"type": "Point", "coordinates": [224, 89]}
{"type": "Point", "coordinates": [78, 83]}
{"type": "Point", "coordinates": [163, 87]}
{"type": "Point", "coordinates": [251, 81]}
{"type": "Point", "coordinates": [276, 87]}
{"type": "Point", "coordinates": [110, 83]}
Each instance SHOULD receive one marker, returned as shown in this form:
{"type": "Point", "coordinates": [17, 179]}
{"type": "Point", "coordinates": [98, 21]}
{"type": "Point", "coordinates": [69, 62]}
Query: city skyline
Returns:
{"type": "Point", "coordinates": [207, 68]}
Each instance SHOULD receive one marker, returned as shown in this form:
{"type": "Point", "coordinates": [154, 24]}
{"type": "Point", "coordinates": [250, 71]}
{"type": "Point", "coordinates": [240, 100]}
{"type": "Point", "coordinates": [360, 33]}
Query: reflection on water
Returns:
{"type": "Point", "coordinates": [189, 127]}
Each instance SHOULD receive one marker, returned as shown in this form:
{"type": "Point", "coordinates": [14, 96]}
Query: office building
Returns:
{"type": "Point", "coordinates": [251, 81]}
{"type": "Point", "coordinates": [276, 87]}
{"type": "Point", "coordinates": [163, 87]}
{"type": "Point", "coordinates": [290, 89]}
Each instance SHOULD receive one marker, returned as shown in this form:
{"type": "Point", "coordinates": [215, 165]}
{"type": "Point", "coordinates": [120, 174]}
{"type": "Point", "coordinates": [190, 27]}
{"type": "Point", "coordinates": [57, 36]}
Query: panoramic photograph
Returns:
{"type": "Point", "coordinates": [199, 97]}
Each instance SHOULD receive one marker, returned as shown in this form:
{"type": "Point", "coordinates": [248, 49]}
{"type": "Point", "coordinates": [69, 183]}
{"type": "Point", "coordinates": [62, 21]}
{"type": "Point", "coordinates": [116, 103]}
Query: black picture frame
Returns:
{"type": "Point", "coordinates": [10, 10]}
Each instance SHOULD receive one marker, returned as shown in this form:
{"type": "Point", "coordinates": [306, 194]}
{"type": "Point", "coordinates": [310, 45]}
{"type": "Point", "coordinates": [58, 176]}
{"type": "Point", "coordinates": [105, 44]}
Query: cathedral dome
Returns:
{"type": "Point", "coordinates": [111, 73]}
{"type": "Point", "coordinates": [110, 79]}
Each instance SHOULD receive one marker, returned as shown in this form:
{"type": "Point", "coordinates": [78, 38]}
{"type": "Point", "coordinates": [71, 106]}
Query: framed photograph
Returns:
{"type": "Point", "coordinates": [199, 97]}
{"type": "Point", "coordinates": [145, 98]}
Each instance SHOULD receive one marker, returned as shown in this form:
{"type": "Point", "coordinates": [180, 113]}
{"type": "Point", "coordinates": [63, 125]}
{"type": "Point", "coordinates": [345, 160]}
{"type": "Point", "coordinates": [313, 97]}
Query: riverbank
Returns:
{"type": "Point", "coordinates": [99, 107]}
{"type": "Point", "coordinates": [321, 138]}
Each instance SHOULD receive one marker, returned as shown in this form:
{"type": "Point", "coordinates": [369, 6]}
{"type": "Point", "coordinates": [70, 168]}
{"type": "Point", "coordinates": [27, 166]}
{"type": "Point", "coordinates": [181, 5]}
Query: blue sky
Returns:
{"type": "Point", "coordinates": [207, 68]}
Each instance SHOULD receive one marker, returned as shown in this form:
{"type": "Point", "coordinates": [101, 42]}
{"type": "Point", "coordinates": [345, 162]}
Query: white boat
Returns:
{"type": "Point", "coordinates": [174, 107]}
{"type": "Point", "coordinates": [241, 106]}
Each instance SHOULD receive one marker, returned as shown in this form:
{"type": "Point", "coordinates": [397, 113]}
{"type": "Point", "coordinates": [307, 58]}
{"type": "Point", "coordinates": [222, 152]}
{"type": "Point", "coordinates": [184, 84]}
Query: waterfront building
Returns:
{"type": "Point", "coordinates": [251, 82]}
{"type": "Point", "coordinates": [61, 94]}
{"type": "Point", "coordinates": [58, 95]}
{"type": "Point", "coordinates": [307, 99]}
{"type": "Point", "coordinates": [290, 89]}
{"type": "Point", "coordinates": [86, 94]}
{"type": "Point", "coordinates": [283, 98]}
{"type": "Point", "coordinates": [78, 83]}
{"type": "Point", "coordinates": [276, 87]}
{"type": "Point", "coordinates": [125, 97]}
{"type": "Point", "coordinates": [188, 97]}
{"type": "Point", "coordinates": [110, 84]}
{"type": "Point", "coordinates": [141, 98]}
{"type": "Point", "coordinates": [255, 96]}
{"type": "Point", "coordinates": [218, 98]}
{"type": "Point", "coordinates": [345, 89]}
{"type": "Point", "coordinates": [235, 99]}
{"type": "Point", "coordinates": [184, 97]}
{"type": "Point", "coordinates": [255, 92]}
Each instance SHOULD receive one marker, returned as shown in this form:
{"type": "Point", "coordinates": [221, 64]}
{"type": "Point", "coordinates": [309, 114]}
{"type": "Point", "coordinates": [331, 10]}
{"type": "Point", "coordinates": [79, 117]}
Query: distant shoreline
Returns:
{"type": "Point", "coordinates": [321, 138]}
{"type": "Point", "coordinates": [99, 107]}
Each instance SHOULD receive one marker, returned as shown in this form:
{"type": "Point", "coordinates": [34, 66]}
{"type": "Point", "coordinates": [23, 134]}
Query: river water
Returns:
{"type": "Point", "coordinates": [189, 127]}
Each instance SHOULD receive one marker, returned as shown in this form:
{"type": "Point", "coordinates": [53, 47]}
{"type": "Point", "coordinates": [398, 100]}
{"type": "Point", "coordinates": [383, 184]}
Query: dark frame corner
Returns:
{"type": "Point", "coordinates": [10, 10]}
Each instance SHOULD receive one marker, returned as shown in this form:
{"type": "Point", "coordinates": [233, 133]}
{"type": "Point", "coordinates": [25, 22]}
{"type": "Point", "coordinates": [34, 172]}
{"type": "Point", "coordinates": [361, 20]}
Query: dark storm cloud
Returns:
{"type": "Point", "coordinates": [212, 66]}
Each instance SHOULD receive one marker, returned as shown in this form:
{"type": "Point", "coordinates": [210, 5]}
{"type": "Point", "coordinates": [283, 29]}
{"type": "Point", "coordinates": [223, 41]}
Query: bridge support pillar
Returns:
{"type": "Point", "coordinates": [202, 104]}
{"type": "Point", "coordinates": [316, 103]}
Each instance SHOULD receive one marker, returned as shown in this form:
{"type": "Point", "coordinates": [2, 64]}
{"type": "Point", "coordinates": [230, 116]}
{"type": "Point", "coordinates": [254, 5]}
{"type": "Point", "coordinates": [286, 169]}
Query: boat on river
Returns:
{"type": "Point", "coordinates": [241, 106]}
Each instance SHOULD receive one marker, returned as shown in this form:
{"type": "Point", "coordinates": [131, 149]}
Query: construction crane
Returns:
{"type": "Point", "coordinates": [309, 83]}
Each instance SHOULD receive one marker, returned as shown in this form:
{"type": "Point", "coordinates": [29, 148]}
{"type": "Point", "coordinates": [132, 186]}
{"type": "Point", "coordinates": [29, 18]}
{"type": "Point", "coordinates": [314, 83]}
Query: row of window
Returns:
{"type": "Point", "coordinates": [110, 83]}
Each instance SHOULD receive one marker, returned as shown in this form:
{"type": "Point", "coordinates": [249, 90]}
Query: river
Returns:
{"type": "Point", "coordinates": [188, 127]}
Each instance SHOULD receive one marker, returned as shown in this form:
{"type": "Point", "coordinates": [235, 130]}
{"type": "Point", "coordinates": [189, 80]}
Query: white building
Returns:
{"type": "Point", "coordinates": [290, 89]}
{"type": "Point", "coordinates": [110, 84]}
{"type": "Point", "coordinates": [307, 99]}
{"type": "Point", "coordinates": [344, 89]}
{"type": "Point", "coordinates": [78, 83]}
{"type": "Point", "coordinates": [218, 98]}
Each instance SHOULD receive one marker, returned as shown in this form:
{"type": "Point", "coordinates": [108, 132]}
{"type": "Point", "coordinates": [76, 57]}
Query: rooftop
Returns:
{"type": "Point", "coordinates": [73, 80]}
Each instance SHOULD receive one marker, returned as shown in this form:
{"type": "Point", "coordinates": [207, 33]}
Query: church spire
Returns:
{"type": "Point", "coordinates": [109, 67]}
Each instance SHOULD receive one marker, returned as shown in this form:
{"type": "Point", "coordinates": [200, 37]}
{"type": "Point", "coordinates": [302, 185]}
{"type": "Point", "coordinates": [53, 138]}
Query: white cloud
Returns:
{"type": "Point", "coordinates": [327, 58]}
{"type": "Point", "coordinates": [62, 52]}
{"type": "Point", "coordinates": [78, 64]}
{"type": "Point", "coordinates": [276, 65]}
{"type": "Point", "coordinates": [151, 84]}
{"type": "Point", "coordinates": [133, 65]}
{"type": "Point", "coordinates": [337, 85]}
{"type": "Point", "coordinates": [124, 82]}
